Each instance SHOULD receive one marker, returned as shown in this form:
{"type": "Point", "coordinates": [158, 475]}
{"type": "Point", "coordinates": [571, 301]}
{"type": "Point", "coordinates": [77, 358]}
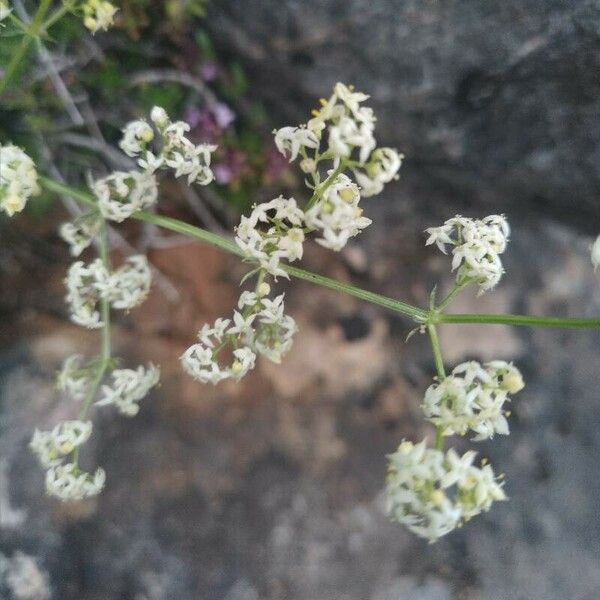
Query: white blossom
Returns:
{"type": "Point", "coordinates": [432, 493]}
{"type": "Point", "coordinates": [274, 331]}
{"type": "Point", "coordinates": [67, 482]}
{"type": "Point", "coordinates": [82, 293]}
{"type": "Point", "coordinates": [127, 286]}
{"type": "Point", "coordinates": [98, 14]}
{"type": "Point", "coordinates": [382, 168]}
{"type": "Point", "coordinates": [337, 215]}
{"type": "Point", "coordinates": [273, 231]}
{"type": "Point", "coordinates": [79, 234]}
{"type": "Point", "coordinates": [201, 360]}
{"type": "Point", "coordinates": [52, 446]}
{"type": "Point", "coordinates": [124, 192]}
{"type": "Point", "coordinates": [476, 246]}
{"type": "Point", "coordinates": [18, 179]}
{"type": "Point", "coordinates": [73, 378]}
{"type": "Point", "coordinates": [472, 398]}
{"type": "Point", "coordinates": [289, 140]}
{"type": "Point", "coordinates": [136, 137]}
{"type": "Point", "coordinates": [129, 386]}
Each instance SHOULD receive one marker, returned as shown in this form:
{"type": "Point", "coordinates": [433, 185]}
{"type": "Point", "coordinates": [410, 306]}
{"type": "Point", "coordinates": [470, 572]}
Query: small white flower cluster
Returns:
{"type": "Point", "coordinates": [341, 131]}
{"type": "Point", "coordinates": [79, 234]}
{"type": "Point", "coordinates": [98, 14]}
{"type": "Point", "coordinates": [176, 150]}
{"type": "Point", "coordinates": [472, 398]}
{"type": "Point", "coordinates": [274, 230]}
{"type": "Point", "coordinates": [260, 328]}
{"type": "Point", "coordinates": [124, 288]}
{"type": "Point", "coordinates": [338, 215]}
{"type": "Point", "coordinates": [476, 246]}
{"type": "Point", "coordinates": [432, 493]}
{"type": "Point", "coordinates": [124, 192]}
{"type": "Point", "coordinates": [4, 10]}
{"type": "Point", "coordinates": [18, 179]}
{"type": "Point", "coordinates": [128, 388]}
{"type": "Point", "coordinates": [73, 379]}
{"type": "Point", "coordinates": [66, 481]}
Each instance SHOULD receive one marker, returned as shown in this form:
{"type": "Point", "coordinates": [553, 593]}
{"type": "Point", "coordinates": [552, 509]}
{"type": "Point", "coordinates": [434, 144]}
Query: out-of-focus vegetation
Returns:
{"type": "Point", "coordinates": [74, 92]}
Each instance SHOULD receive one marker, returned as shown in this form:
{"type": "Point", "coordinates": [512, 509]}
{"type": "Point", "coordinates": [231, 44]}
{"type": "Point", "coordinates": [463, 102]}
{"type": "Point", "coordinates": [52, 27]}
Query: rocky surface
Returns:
{"type": "Point", "coordinates": [495, 104]}
{"type": "Point", "coordinates": [271, 489]}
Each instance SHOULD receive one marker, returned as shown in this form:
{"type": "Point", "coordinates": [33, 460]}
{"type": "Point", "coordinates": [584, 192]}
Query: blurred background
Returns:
{"type": "Point", "coordinates": [271, 489]}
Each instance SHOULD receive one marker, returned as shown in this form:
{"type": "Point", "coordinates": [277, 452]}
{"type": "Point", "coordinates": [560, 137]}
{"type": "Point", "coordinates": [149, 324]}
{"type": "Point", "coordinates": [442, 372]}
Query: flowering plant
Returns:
{"type": "Point", "coordinates": [430, 489]}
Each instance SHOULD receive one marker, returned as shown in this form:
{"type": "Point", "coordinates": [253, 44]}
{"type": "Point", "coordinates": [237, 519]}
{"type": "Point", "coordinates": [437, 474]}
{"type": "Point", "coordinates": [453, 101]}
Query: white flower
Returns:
{"type": "Point", "coordinates": [52, 446]}
{"type": "Point", "coordinates": [159, 117]}
{"type": "Point", "coordinates": [82, 293]}
{"type": "Point", "coordinates": [432, 493]}
{"type": "Point", "coordinates": [476, 245]}
{"type": "Point", "coordinates": [124, 192]}
{"type": "Point", "coordinates": [73, 379]}
{"type": "Point", "coordinates": [18, 179]}
{"type": "Point", "coordinates": [273, 231]}
{"type": "Point", "coordinates": [67, 482]}
{"type": "Point", "coordinates": [128, 388]}
{"type": "Point", "coordinates": [136, 136]}
{"type": "Point", "coordinates": [128, 286]}
{"type": "Point", "coordinates": [289, 140]}
{"type": "Point", "coordinates": [79, 235]}
{"type": "Point", "coordinates": [472, 398]}
{"type": "Point", "coordinates": [98, 14]}
{"type": "Point", "coordinates": [595, 253]}
{"type": "Point", "coordinates": [382, 168]}
{"type": "Point", "coordinates": [274, 331]}
{"type": "Point", "coordinates": [201, 360]}
{"type": "Point", "coordinates": [337, 214]}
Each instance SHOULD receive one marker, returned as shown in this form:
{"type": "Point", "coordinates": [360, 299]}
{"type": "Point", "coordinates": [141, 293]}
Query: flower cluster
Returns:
{"type": "Point", "coordinates": [341, 133]}
{"type": "Point", "coordinates": [123, 288]}
{"type": "Point", "coordinates": [73, 378]}
{"type": "Point", "coordinates": [259, 327]}
{"type": "Point", "coordinates": [432, 492]}
{"type": "Point", "coordinates": [66, 480]}
{"type": "Point", "coordinates": [124, 192]}
{"type": "Point", "coordinates": [98, 14]}
{"type": "Point", "coordinates": [274, 230]}
{"type": "Point", "coordinates": [476, 246]}
{"type": "Point", "coordinates": [337, 216]}
{"type": "Point", "coordinates": [175, 150]}
{"type": "Point", "coordinates": [472, 398]}
{"type": "Point", "coordinates": [80, 233]}
{"type": "Point", "coordinates": [128, 388]}
{"type": "Point", "coordinates": [18, 179]}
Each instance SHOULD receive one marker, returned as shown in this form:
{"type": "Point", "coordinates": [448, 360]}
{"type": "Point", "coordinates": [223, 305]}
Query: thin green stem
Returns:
{"type": "Point", "coordinates": [408, 310]}
{"type": "Point", "coordinates": [457, 289]}
{"type": "Point", "coordinates": [106, 341]}
{"type": "Point", "coordinates": [439, 367]}
{"type": "Point", "coordinates": [417, 314]}
{"type": "Point", "coordinates": [318, 194]}
{"type": "Point", "coordinates": [21, 52]}
{"type": "Point", "coordinates": [520, 320]}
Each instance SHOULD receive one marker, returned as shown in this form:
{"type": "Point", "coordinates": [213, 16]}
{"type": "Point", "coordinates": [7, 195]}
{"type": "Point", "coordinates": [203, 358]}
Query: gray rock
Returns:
{"type": "Point", "coordinates": [495, 104]}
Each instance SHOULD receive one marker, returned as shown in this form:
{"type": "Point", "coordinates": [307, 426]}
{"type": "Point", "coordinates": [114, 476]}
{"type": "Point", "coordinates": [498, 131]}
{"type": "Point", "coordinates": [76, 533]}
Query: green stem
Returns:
{"type": "Point", "coordinates": [318, 194]}
{"type": "Point", "coordinates": [106, 341]}
{"type": "Point", "coordinates": [520, 320]}
{"type": "Point", "coordinates": [457, 289]}
{"type": "Point", "coordinates": [439, 367]}
{"type": "Point", "coordinates": [220, 242]}
{"type": "Point", "coordinates": [417, 314]}
{"type": "Point", "coordinates": [36, 26]}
